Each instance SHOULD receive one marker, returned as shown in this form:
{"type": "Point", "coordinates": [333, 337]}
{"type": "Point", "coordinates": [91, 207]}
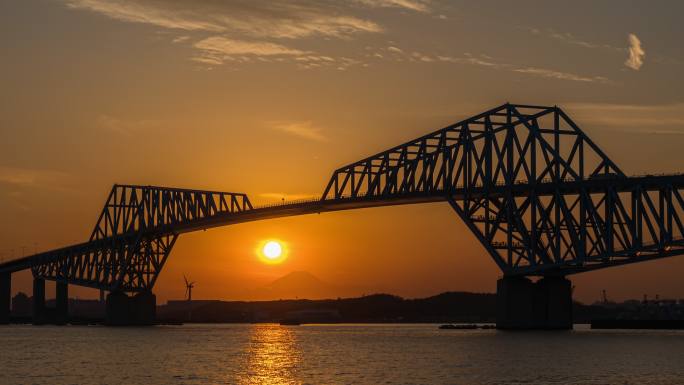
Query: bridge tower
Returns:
{"type": "Point", "coordinates": [542, 199]}
{"type": "Point", "coordinates": [128, 248]}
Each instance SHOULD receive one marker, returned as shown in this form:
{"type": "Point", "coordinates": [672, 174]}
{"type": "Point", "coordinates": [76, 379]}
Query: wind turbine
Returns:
{"type": "Point", "coordinates": [188, 288]}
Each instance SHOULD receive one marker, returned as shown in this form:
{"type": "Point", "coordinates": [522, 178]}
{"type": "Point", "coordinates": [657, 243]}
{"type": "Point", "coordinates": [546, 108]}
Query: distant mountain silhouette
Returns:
{"type": "Point", "coordinates": [299, 284]}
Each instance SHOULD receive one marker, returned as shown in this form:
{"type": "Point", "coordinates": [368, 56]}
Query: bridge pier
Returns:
{"type": "Point", "coordinates": [61, 303]}
{"type": "Point", "coordinates": [139, 310]}
{"type": "Point", "coordinates": [39, 313]}
{"type": "Point", "coordinates": [5, 297]}
{"type": "Point", "coordinates": [556, 296]}
{"type": "Point", "coordinates": [43, 315]}
{"type": "Point", "coordinates": [523, 304]}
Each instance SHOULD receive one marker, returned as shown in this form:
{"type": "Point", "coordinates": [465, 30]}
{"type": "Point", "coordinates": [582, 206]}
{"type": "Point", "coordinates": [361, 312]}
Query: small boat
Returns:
{"type": "Point", "coordinates": [458, 327]}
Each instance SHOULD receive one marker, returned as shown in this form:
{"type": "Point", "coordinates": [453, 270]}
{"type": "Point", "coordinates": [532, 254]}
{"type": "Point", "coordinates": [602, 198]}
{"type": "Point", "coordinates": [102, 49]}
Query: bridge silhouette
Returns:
{"type": "Point", "coordinates": [537, 193]}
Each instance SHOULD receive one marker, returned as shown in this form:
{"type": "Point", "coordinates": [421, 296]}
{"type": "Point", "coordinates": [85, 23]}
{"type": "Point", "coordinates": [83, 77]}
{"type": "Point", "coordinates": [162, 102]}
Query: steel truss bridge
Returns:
{"type": "Point", "coordinates": [538, 194]}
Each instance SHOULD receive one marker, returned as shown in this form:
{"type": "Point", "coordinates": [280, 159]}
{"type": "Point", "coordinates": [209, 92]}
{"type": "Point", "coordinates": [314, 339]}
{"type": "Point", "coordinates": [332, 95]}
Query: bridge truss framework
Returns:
{"type": "Point", "coordinates": [537, 193]}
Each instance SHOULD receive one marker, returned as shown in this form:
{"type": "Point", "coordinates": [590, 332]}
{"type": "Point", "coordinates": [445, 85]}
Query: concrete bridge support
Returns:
{"type": "Point", "coordinates": [5, 297]}
{"type": "Point", "coordinates": [122, 310]}
{"type": "Point", "coordinates": [39, 313]}
{"type": "Point", "coordinates": [43, 315]}
{"type": "Point", "coordinates": [61, 303]}
{"type": "Point", "coordinates": [523, 304]}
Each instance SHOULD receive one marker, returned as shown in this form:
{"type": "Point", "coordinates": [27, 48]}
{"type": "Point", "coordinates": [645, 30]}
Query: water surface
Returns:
{"type": "Point", "coordinates": [335, 354]}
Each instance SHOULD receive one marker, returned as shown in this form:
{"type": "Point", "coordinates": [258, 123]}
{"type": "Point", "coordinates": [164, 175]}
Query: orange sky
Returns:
{"type": "Point", "coordinates": [268, 98]}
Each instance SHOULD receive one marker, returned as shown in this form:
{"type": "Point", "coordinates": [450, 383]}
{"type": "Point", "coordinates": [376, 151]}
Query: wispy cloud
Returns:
{"type": "Point", "coordinates": [569, 38]}
{"type": "Point", "coordinates": [148, 13]}
{"type": "Point", "coordinates": [18, 184]}
{"type": "Point", "coordinates": [218, 45]}
{"type": "Point", "coordinates": [553, 74]}
{"type": "Point", "coordinates": [242, 30]}
{"type": "Point", "coordinates": [303, 23]}
{"type": "Point", "coordinates": [413, 5]}
{"type": "Point", "coordinates": [125, 126]}
{"type": "Point", "coordinates": [422, 57]}
{"type": "Point", "coordinates": [635, 50]}
{"type": "Point", "coordinates": [485, 61]}
{"type": "Point", "coordinates": [180, 39]}
{"type": "Point", "coordinates": [636, 53]}
{"type": "Point", "coordinates": [318, 61]}
{"type": "Point", "coordinates": [208, 59]}
{"type": "Point", "coordinates": [304, 130]}
{"type": "Point", "coordinates": [29, 177]}
{"type": "Point", "coordinates": [646, 119]}
{"type": "Point", "coordinates": [273, 19]}
{"type": "Point", "coordinates": [469, 59]}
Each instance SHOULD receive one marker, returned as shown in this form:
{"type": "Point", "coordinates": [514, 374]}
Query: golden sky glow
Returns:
{"type": "Point", "coordinates": [268, 98]}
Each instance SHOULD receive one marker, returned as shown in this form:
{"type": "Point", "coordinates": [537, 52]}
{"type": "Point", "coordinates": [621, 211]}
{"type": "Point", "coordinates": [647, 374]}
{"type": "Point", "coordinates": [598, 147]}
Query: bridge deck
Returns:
{"type": "Point", "coordinates": [543, 188]}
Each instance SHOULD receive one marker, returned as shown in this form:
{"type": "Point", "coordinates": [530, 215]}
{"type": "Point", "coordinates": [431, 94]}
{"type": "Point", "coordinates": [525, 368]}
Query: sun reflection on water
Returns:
{"type": "Point", "coordinates": [272, 356]}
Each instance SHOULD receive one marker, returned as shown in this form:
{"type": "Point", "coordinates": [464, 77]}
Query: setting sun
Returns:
{"type": "Point", "coordinates": [272, 251]}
